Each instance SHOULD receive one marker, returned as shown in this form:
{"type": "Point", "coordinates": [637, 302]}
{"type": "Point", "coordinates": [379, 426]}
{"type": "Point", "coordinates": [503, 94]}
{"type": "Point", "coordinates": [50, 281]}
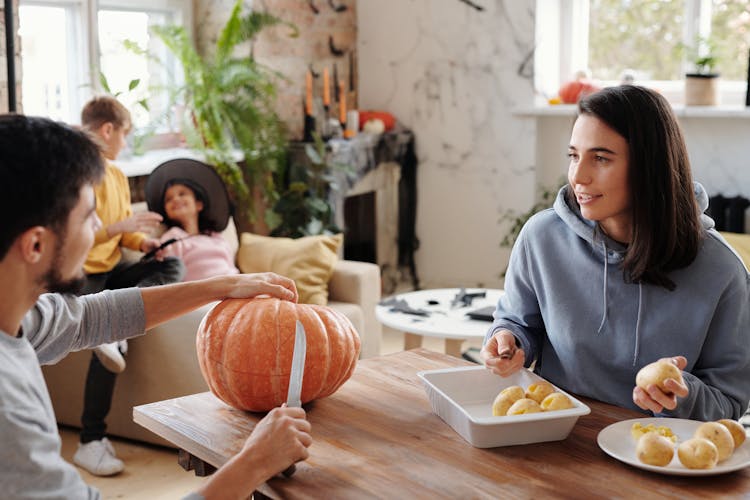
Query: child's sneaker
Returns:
{"type": "Point", "coordinates": [98, 458]}
{"type": "Point", "coordinates": [110, 357]}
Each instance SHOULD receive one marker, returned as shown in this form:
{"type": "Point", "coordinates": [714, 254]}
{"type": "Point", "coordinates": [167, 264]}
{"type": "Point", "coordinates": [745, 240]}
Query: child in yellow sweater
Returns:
{"type": "Point", "coordinates": [109, 121]}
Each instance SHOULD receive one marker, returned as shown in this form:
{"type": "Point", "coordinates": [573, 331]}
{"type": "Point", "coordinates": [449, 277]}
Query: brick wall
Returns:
{"type": "Point", "coordinates": [293, 56]}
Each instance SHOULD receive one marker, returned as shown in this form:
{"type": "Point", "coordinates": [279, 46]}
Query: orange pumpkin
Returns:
{"type": "Point", "coordinates": [389, 121]}
{"type": "Point", "coordinates": [571, 92]}
{"type": "Point", "coordinates": [245, 349]}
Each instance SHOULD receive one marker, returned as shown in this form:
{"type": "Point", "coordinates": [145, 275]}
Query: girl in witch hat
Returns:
{"type": "Point", "coordinates": [193, 200]}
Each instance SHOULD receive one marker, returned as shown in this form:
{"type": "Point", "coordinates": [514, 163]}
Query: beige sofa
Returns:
{"type": "Point", "coordinates": [162, 364]}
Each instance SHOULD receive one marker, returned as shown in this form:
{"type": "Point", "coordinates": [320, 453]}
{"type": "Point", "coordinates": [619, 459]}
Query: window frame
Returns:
{"type": "Point", "coordinates": [83, 36]}
{"type": "Point", "coordinates": [562, 38]}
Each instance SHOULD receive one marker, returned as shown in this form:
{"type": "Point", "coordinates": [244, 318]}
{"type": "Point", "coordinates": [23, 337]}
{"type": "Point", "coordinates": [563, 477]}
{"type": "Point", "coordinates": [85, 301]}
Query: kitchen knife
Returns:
{"type": "Point", "coordinates": [294, 393]}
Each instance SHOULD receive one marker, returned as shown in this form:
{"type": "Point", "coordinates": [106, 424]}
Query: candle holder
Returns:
{"type": "Point", "coordinates": [309, 128]}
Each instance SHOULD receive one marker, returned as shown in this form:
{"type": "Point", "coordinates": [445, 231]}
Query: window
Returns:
{"type": "Point", "coordinates": [51, 74]}
{"type": "Point", "coordinates": [645, 38]}
{"type": "Point", "coordinates": [65, 44]}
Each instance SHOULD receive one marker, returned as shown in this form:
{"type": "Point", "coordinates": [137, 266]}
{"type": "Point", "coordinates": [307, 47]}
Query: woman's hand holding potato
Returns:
{"type": "Point", "coordinates": [659, 385]}
{"type": "Point", "coordinates": [500, 354]}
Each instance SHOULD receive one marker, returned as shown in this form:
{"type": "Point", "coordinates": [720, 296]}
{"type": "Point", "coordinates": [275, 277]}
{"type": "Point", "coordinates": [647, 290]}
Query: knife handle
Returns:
{"type": "Point", "coordinates": [289, 470]}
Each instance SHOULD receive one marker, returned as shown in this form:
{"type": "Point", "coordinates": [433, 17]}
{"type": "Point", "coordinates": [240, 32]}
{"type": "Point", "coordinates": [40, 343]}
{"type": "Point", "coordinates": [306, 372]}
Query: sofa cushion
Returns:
{"type": "Point", "coordinates": [740, 243]}
{"type": "Point", "coordinates": [308, 261]}
{"type": "Point", "coordinates": [353, 312]}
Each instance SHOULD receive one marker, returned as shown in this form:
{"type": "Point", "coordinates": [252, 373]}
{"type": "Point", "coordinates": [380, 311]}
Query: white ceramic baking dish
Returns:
{"type": "Point", "coordinates": [463, 398]}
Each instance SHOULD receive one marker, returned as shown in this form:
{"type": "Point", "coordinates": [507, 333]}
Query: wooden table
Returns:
{"type": "Point", "coordinates": [377, 437]}
{"type": "Point", "coordinates": [444, 320]}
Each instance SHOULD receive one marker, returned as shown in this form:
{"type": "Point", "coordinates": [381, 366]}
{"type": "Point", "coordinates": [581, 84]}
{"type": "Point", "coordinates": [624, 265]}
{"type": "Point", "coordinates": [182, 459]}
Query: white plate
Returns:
{"type": "Point", "coordinates": [616, 441]}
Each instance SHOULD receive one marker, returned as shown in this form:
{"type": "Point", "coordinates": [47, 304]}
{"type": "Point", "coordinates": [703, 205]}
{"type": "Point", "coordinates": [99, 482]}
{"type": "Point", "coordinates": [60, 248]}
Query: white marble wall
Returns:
{"type": "Point", "coordinates": [719, 150]}
{"type": "Point", "coordinates": [454, 74]}
{"type": "Point", "coordinates": [718, 147]}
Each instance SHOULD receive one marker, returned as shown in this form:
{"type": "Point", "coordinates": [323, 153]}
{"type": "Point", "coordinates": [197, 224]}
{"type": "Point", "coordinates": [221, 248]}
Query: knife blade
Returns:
{"type": "Point", "coordinates": [294, 393]}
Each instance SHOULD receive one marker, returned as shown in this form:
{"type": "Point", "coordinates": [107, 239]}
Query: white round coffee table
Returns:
{"type": "Point", "coordinates": [442, 319]}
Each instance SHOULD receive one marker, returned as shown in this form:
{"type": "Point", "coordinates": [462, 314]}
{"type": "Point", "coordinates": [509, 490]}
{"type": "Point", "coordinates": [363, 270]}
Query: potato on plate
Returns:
{"type": "Point", "coordinates": [719, 435]}
{"type": "Point", "coordinates": [736, 430]}
{"type": "Point", "coordinates": [698, 453]}
{"type": "Point", "coordinates": [654, 449]}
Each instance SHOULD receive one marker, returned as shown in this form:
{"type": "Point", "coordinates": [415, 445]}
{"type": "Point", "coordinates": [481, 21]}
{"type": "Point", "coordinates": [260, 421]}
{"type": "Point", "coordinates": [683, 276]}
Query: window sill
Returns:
{"type": "Point", "coordinates": [681, 111]}
{"type": "Point", "coordinates": [136, 166]}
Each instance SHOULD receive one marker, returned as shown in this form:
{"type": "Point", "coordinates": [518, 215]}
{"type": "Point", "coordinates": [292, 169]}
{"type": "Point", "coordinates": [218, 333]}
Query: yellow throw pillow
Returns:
{"type": "Point", "coordinates": [741, 244]}
{"type": "Point", "coordinates": [308, 261]}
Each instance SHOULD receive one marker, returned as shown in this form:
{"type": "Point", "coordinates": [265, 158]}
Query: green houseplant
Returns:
{"type": "Point", "coordinates": [545, 198]}
{"type": "Point", "coordinates": [701, 81]}
{"type": "Point", "coordinates": [135, 91]}
{"type": "Point", "coordinates": [303, 208]}
{"type": "Point", "coordinates": [229, 108]}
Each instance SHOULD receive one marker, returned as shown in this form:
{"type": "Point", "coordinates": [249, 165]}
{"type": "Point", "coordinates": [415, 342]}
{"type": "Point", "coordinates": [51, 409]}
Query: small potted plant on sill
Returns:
{"type": "Point", "coordinates": [702, 82]}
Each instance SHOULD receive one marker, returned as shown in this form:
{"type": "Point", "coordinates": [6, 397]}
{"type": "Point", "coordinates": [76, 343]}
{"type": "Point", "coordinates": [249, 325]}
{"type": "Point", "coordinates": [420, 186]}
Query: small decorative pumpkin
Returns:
{"type": "Point", "coordinates": [571, 92]}
{"type": "Point", "coordinates": [245, 349]}
{"type": "Point", "coordinates": [389, 121]}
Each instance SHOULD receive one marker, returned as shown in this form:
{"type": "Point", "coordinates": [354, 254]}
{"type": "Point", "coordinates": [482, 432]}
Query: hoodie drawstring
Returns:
{"type": "Point", "coordinates": [604, 312]}
{"type": "Point", "coordinates": [640, 307]}
{"type": "Point", "coordinates": [638, 324]}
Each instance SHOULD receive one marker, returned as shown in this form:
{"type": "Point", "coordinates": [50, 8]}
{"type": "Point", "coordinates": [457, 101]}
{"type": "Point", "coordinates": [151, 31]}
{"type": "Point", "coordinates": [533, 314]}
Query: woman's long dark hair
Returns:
{"type": "Point", "coordinates": [666, 220]}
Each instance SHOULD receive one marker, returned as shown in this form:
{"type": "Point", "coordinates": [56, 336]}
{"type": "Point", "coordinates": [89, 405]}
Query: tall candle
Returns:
{"type": "Point", "coordinates": [308, 94]}
{"type": "Point", "coordinates": [342, 102]}
{"type": "Point", "coordinates": [326, 89]}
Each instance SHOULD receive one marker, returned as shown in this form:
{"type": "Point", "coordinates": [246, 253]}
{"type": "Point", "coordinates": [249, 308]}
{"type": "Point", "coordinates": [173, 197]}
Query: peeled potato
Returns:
{"type": "Point", "coordinates": [736, 430]}
{"type": "Point", "coordinates": [654, 449]}
{"type": "Point", "coordinates": [698, 453]}
{"type": "Point", "coordinates": [524, 405]}
{"type": "Point", "coordinates": [514, 392]}
{"type": "Point", "coordinates": [556, 401]}
{"type": "Point", "coordinates": [501, 404]}
{"type": "Point", "coordinates": [638, 430]}
{"type": "Point", "coordinates": [539, 391]}
{"type": "Point", "coordinates": [719, 435]}
{"type": "Point", "coordinates": [656, 373]}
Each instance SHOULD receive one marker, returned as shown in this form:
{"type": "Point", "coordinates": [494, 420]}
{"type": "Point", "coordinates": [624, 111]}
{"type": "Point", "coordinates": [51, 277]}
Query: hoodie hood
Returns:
{"type": "Point", "coordinates": [570, 213]}
{"type": "Point", "coordinates": [611, 251]}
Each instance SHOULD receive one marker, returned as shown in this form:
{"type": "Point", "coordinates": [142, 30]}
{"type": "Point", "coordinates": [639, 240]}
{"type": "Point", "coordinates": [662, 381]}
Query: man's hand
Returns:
{"type": "Point", "coordinates": [139, 222]}
{"type": "Point", "coordinates": [278, 441]}
{"type": "Point", "coordinates": [500, 354]}
{"type": "Point", "coordinates": [655, 399]}
{"type": "Point", "coordinates": [162, 303]}
{"type": "Point", "coordinates": [250, 285]}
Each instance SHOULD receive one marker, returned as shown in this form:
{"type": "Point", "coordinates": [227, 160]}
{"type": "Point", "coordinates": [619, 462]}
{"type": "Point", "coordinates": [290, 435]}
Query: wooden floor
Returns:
{"type": "Point", "coordinates": [152, 472]}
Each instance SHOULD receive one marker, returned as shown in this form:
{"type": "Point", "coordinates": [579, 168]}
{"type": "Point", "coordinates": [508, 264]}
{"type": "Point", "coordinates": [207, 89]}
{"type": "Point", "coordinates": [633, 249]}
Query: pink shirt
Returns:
{"type": "Point", "coordinates": [204, 255]}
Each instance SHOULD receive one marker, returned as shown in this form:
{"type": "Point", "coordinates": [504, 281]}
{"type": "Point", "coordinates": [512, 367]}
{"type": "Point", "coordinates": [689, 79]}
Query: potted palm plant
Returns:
{"type": "Point", "coordinates": [702, 81]}
{"type": "Point", "coordinates": [228, 100]}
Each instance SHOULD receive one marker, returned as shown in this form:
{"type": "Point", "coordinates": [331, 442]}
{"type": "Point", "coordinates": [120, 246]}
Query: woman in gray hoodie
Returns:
{"type": "Point", "coordinates": [625, 269]}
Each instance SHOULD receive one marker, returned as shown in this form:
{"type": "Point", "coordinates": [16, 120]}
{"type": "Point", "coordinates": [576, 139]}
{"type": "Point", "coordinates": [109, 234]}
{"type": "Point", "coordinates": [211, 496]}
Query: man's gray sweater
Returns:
{"type": "Point", "coordinates": [30, 442]}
